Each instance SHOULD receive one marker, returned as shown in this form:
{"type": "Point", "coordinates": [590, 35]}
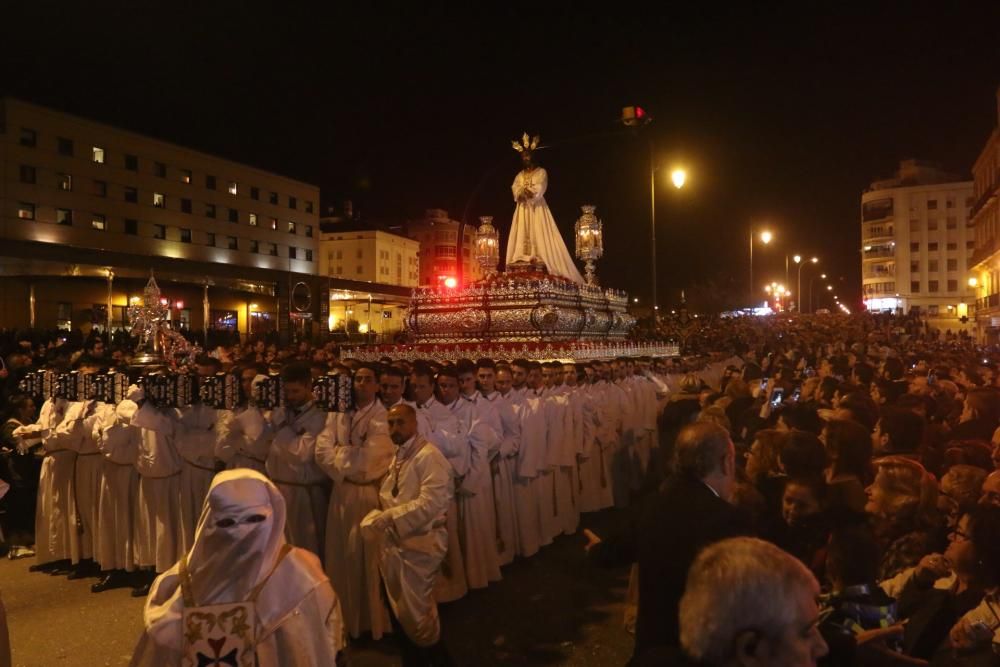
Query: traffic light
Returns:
{"type": "Point", "coordinates": [635, 117]}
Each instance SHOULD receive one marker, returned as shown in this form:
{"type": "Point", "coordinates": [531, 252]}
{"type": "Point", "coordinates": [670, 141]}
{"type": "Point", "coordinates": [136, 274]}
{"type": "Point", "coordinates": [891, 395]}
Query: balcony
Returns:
{"type": "Point", "coordinates": [887, 253]}
{"type": "Point", "coordinates": [990, 193]}
{"type": "Point", "coordinates": [990, 301]}
{"type": "Point", "coordinates": [875, 231]}
{"type": "Point", "coordinates": [887, 274]}
{"type": "Point", "coordinates": [984, 252]}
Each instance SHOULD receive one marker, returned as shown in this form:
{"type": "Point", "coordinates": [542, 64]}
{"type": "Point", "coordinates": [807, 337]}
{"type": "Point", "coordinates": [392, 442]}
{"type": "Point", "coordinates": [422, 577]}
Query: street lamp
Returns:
{"type": "Point", "coordinates": [798, 260]}
{"type": "Point", "coordinates": [765, 238]}
{"type": "Point", "coordinates": [679, 177]}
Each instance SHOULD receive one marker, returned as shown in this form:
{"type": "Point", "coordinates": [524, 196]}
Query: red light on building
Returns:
{"type": "Point", "coordinates": [450, 283]}
{"type": "Point", "coordinates": [179, 305]}
{"type": "Point", "coordinates": [640, 113]}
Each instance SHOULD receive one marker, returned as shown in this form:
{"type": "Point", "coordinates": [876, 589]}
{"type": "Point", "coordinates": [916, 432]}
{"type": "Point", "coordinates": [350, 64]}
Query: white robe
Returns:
{"type": "Point", "coordinates": [355, 450]}
{"type": "Point", "coordinates": [197, 438]}
{"type": "Point", "coordinates": [239, 444]}
{"type": "Point", "coordinates": [502, 469]}
{"type": "Point", "coordinates": [411, 552]}
{"type": "Point", "coordinates": [445, 433]}
{"type": "Point", "coordinates": [291, 465]}
{"type": "Point", "coordinates": [157, 525]}
{"type": "Point", "coordinates": [533, 232]}
{"type": "Point", "coordinates": [530, 466]}
{"type": "Point", "coordinates": [56, 536]}
{"type": "Point", "coordinates": [89, 471]}
{"type": "Point", "coordinates": [118, 442]}
{"type": "Point", "coordinates": [481, 424]}
{"type": "Point", "coordinates": [595, 469]}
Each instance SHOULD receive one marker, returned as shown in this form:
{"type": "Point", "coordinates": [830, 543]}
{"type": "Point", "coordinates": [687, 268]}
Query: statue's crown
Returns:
{"type": "Point", "coordinates": [527, 144]}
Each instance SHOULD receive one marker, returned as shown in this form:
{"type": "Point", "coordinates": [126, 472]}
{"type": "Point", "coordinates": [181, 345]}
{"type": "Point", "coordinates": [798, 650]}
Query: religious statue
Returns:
{"type": "Point", "coordinates": [534, 237]}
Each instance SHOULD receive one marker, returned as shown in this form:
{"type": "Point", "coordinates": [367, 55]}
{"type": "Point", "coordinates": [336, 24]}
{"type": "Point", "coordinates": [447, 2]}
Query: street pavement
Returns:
{"type": "Point", "coordinates": [552, 609]}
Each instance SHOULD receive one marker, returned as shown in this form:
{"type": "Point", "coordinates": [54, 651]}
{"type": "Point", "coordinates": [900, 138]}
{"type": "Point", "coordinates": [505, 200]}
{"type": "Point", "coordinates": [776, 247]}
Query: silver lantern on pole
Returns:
{"type": "Point", "coordinates": [487, 245]}
{"type": "Point", "coordinates": [148, 318]}
{"type": "Point", "coordinates": [589, 241]}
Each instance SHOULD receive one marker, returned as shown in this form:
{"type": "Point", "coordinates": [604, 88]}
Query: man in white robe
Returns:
{"type": "Point", "coordinates": [481, 424]}
{"type": "Point", "coordinates": [240, 555]}
{"type": "Point", "coordinates": [239, 444]}
{"type": "Point", "coordinates": [157, 516]}
{"type": "Point", "coordinates": [354, 449]}
{"type": "Point", "coordinates": [411, 534]}
{"type": "Point", "coordinates": [529, 490]}
{"type": "Point", "coordinates": [197, 441]}
{"type": "Point", "coordinates": [445, 434]}
{"type": "Point", "coordinates": [503, 463]}
{"type": "Point", "coordinates": [57, 541]}
{"type": "Point", "coordinates": [87, 475]}
{"type": "Point", "coordinates": [118, 442]}
{"type": "Point", "coordinates": [291, 433]}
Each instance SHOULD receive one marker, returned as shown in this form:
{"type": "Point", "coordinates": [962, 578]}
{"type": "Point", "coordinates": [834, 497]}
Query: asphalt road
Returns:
{"type": "Point", "coordinates": [552, 609]}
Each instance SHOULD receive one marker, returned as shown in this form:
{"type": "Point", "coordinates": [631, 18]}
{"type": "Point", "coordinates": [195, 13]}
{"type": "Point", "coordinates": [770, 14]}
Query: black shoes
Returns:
{"type": "Point", "coordinates": [51, 567]}
{"type": "Point", "coordinates": [112, 579]}
{"type": "Point", "coordinates": [84, 569]}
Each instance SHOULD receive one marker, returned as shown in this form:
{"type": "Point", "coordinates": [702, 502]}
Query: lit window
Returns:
{"type": "Point", "coordinates": [253, 219]}
{"type": "Point", "coordinates": [98, 221]}
{"type": "Point", "coordinates": [291, 227]}
{"type": "Point", "coordinates": [232, 188]}
{"type": "Point", "coordinates": [274, 223]}
{"type": "Point", "coordinates": [159, 232]}
{"type": "Point", "coordinates": [65, 182]}
{"type": "Point", "coordinates": [64, 216]}
{"type": "Point", "coordinates": [98, 155]}
{"type": "Point", "coordinates": [186, 176]}
{"type": "Point", "coordinates": [25, 211]}
{"type": "Point", "coordinates": [159, 201]}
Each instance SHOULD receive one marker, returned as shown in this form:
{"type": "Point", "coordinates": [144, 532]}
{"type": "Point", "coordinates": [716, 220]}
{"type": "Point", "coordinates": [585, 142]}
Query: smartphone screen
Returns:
{"type": "Point", "coordinates": [776, 397]}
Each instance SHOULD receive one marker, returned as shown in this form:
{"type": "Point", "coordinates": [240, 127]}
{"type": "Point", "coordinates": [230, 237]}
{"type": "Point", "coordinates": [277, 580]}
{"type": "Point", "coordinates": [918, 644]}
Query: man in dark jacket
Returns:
{"type": "Point", "coordinates": [691, 511]}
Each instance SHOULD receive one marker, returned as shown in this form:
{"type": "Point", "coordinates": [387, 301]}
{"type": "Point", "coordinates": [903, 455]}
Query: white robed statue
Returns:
{"type": "Point", "coordinates": [534, 236]}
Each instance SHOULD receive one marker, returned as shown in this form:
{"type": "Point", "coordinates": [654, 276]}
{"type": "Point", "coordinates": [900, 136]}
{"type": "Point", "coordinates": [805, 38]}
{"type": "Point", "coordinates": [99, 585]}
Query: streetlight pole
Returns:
{"type": "Point", "coordinates": [652, 222]}
{"type": "Point", "coordinates": [798, 260]}
{"type": "Point", "coordinates": [765, 237]}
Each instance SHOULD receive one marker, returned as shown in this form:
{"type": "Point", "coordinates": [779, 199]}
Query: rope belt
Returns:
{"type": "Point", "coordinates": [200, 467]}
{"type": "Point", "coordinates": [303, 485]}
{"type": "Point", "coordinates": [173, 474]}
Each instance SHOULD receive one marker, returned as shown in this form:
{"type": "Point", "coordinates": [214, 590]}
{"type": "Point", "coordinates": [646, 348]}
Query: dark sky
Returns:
{"type": "Point", "coordinates": [783, 114]}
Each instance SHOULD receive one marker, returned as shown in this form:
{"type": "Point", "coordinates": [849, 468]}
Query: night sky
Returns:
{"type": "Point", "coordinates": [782, 116]}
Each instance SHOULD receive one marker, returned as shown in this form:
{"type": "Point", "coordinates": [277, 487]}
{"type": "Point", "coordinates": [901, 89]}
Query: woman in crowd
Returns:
{"type": "Point", "coordinates": [902, 504]}
{"type": "Point", "coordinates": [849, 452]}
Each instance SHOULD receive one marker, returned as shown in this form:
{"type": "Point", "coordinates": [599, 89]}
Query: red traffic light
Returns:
{"type": "Point", "coordinates": [634, 116]}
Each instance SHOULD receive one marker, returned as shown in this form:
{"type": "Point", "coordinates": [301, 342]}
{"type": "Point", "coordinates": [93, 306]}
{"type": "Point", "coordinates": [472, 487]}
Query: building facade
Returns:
{"type": "Point", "coordinates": [386, 266]}
{"type": "Point", "coordinates": [439, 254]}
{"type": "Point", "coordinates": [917, 243]}
{"type": "Point", "coordinates": [87, 210]}
{"type": "Point", "coordinates": [986, 220]}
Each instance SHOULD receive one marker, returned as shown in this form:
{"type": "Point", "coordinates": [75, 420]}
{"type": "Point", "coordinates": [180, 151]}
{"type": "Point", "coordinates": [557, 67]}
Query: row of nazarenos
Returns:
{"type": "Point", "coordinates": [530, 446]}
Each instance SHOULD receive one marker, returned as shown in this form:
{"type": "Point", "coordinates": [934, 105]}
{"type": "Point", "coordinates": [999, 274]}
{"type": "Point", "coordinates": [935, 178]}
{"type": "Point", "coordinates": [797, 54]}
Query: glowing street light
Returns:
{"type": "Point", "coordinates": [678, 177]}
{"type": "Point", "coordinates": [973, 282]}
{"type": "Point", "coordinates": [765, 238]}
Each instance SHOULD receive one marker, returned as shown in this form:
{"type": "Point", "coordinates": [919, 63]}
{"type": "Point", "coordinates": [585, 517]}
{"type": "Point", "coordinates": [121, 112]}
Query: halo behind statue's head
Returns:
{"type": "Point", "coordinates": [527, 144]}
